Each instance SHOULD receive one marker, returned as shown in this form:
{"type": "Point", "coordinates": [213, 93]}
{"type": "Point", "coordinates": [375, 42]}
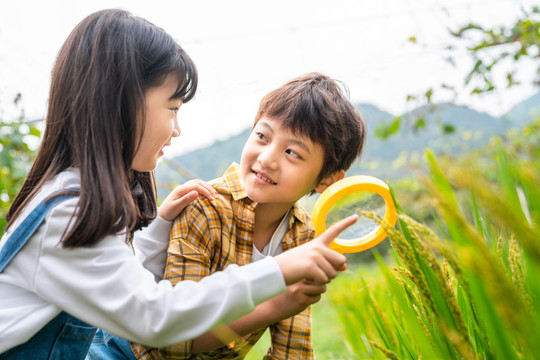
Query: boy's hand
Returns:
{"type": "Point", "coordinates": [314, 261]}
{"type": "Point", "coordinates": [297, 298]}
{"type": "Point", "coordinates": [182, 196]}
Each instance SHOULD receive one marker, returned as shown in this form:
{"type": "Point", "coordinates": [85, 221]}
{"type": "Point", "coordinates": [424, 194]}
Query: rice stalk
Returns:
{"type": "Point", "coordinates": [389, 354]}
{"type": "Point", "coordinates": [518, 276]}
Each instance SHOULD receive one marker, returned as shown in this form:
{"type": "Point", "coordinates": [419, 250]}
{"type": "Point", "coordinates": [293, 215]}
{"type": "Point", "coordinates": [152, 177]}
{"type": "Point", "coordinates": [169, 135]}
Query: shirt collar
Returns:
{"type": "Point", "coordinates": [234, 182]}
{"type": "Point", "coordinates": [299, 213]}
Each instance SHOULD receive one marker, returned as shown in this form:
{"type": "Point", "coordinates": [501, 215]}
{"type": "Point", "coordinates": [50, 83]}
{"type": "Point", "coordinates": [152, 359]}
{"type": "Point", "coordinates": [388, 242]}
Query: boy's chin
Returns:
{"type": "Point", "coordinates": [255, 196]}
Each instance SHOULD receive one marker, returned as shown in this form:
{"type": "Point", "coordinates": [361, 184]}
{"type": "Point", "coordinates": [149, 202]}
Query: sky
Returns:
{"type": "Point", "coordinates": [244, 49]}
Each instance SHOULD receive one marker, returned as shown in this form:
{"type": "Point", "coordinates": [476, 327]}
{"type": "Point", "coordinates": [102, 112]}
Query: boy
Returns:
{"type": "Point", "coordinates": [306, 134]}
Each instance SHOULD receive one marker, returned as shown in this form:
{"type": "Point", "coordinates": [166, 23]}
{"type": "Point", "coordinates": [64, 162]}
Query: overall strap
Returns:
{"type": "Point", "coordinates": [26, 229]}
{"type": "Point", "coordinates": [64, 337]}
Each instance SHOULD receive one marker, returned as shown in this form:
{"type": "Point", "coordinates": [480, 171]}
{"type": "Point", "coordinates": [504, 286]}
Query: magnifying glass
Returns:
{"type": "Point", "coordinates": [352, 195]}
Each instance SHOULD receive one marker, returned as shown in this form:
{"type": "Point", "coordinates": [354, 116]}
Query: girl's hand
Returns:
{"type": "Point", "coordinates": [314, 261]}
{"type": "Point", "coordinates": [182, 196]}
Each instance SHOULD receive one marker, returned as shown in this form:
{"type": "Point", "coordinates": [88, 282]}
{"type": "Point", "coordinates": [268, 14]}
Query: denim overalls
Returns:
{"type": "Point", "coordinates": [64, 337]}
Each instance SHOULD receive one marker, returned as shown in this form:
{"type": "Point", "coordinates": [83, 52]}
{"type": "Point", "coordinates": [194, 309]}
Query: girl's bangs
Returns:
{"type": "Point", "coordinates": [187, 79]}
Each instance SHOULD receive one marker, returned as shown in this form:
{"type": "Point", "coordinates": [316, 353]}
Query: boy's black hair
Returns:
{"type": "Point", "coordinates": [315, 106]}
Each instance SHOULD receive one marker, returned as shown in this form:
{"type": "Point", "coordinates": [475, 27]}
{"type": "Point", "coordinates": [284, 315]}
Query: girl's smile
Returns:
{"type": "Point", "coordinates": [161, 124]}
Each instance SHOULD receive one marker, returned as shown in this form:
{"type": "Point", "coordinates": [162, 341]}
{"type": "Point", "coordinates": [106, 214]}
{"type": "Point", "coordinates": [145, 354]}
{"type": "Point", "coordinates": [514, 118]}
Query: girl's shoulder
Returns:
{"type": "Point", "coordinates": [68, 179]}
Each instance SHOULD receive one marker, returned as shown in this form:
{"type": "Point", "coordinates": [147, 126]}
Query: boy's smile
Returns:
{"type": "Point", "coordinates": [262, 176]}
{"type": "Point", "coordinates": [278, 166]}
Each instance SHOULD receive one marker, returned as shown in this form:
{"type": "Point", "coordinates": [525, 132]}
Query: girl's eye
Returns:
{"type": "Point", "coordinates": [293, 153]}
{"type": "Point", "coordinates": [175, 110]}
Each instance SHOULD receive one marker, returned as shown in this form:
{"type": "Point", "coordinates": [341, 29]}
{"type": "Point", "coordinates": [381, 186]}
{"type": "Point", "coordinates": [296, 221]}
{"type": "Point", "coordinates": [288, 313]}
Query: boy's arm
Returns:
{"type": "Point", "coordinates": [291, 338]}
{"type": "Point", "coordinates": [297, 298]}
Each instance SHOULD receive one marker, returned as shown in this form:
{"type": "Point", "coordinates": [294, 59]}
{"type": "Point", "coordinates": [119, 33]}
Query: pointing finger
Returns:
{"type": "Point", "coordinates": [333, 231]}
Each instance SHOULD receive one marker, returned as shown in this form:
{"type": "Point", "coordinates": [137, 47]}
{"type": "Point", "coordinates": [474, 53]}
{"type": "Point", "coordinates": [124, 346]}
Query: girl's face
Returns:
{"type": "Point", "coordinates": [161, 124]}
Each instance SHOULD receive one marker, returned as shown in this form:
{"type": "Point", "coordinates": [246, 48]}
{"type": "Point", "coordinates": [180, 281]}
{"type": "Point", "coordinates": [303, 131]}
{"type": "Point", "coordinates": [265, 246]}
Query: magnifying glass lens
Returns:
{"type": "Point", "coordinates": [355, 203]}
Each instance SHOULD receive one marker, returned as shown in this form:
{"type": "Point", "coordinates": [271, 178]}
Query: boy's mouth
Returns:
{"type": "Point", "coordinates": [263, 177]}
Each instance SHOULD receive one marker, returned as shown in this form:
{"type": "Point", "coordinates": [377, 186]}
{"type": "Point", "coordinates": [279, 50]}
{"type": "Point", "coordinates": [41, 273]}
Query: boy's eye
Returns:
{"type": "Point", "coordinates": [261, 136]}
{"type": "Point", "coordinates": [293, 153]}
{"type": "Point", "coordinates": [175, 110]}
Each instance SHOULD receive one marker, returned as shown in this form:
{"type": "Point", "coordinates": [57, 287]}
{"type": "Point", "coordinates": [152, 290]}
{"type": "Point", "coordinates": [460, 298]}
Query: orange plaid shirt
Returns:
{"type": "Point", "coordinates": [208, 236]}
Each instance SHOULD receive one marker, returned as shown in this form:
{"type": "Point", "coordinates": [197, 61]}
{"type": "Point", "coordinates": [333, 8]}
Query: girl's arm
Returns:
{"type": "Point", "coordinates": [106, 286]}
{"type": "Point", "coordinates": [151, 242]}
{"type": "Point", "coordinates": [189, 257]}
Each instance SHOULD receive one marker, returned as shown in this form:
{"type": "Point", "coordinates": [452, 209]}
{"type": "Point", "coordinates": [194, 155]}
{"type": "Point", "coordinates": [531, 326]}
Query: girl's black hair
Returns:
{"type": "Point", "coordinates": [96, 117]}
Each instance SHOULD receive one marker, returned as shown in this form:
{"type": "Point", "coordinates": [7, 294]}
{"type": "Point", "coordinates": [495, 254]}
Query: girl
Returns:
{"type": "Point", "coordinates": [66, 260]}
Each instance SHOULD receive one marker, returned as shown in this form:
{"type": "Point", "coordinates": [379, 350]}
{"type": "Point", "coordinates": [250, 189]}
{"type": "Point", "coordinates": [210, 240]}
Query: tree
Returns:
{"type": "Point", "coordinates": [489, 49]}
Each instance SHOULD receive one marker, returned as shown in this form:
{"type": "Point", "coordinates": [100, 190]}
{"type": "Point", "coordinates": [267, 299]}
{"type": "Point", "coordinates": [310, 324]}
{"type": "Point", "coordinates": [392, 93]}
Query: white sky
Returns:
{"type": "Point", "coordinates": [243, 49]}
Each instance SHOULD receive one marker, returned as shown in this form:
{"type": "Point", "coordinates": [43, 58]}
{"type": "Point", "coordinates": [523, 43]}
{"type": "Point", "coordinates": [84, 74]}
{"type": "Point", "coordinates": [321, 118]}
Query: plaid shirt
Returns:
{"type": "Point", "coordinates": [208, 236]}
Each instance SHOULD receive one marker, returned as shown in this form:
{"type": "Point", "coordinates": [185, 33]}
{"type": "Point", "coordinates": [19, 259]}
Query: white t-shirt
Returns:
{"type": "Point", "coordinates": [274, 247]}
{"type": "Point", "coordinates": [107, 286]}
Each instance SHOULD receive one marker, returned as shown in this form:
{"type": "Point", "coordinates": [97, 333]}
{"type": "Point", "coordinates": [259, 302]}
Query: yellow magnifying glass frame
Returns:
{"type": "Point", "coordinates": [347, 186]}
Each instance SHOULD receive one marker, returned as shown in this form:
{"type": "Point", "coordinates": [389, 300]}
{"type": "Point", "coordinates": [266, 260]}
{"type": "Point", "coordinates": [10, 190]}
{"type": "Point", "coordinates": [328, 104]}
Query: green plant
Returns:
{"type": "Point", "coordinates": [468, 289]}
{"type": "Point", "coordinates": [16, 155]}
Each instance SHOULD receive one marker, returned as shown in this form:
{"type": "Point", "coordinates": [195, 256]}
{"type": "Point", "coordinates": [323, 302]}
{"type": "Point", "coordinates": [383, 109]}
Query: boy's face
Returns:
{"type": "Point", "coordinates": [278, 166]}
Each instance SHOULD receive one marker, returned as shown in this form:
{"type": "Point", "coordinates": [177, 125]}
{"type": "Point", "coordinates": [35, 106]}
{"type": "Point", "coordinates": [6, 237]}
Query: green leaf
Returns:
{"type": "Point", "coordinates": [448, 128]}
{"type": "Point", "coordinates": [34, 131]}
{"type": "Point", "coordinates": [384, 130]}
{"type": "Point", "coordinates": [420, 123]}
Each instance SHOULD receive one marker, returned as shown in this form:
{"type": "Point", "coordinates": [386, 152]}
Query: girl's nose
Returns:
{"type": "Point", "coordinates": [176, 127]}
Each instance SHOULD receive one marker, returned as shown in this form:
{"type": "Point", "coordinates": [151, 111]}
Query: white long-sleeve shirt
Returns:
{"type": "Point", "coordinates": [107, 286]}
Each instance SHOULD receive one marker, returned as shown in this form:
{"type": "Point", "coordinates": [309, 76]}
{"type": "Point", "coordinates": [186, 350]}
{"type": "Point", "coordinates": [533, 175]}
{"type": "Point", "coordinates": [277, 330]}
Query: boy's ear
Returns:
{"type": "Point", "coordinates": [329, 180]}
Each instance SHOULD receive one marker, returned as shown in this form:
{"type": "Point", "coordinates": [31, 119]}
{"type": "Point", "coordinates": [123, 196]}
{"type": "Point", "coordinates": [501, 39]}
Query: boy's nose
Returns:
{"type": "Point", "coordinates": [268, 159]}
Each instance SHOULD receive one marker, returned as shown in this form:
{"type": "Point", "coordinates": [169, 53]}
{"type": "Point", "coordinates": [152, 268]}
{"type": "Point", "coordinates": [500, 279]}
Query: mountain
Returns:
{"type": "Point", "coordinates": [206, 163]}
{"type": "Point", "coordinates": [524, 112]}
{"type": "Point", "coordinates": [391, 158]}
{"type": "Point", "coordinates": [402, 153]}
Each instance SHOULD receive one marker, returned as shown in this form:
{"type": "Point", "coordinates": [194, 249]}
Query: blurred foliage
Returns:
{"type": "Point", "coordinates": [523, 35]}
{"type": "Point", "coordinates": [16, 156]}
{"type": "Point", "coordinates": [489, 48]}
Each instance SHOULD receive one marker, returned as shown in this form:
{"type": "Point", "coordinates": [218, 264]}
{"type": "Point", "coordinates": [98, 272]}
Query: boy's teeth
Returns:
{"type": "Point", "coordinates": [265, 179]}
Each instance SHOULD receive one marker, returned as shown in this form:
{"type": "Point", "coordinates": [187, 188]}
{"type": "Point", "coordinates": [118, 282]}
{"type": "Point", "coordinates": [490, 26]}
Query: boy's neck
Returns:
{"type": "Point", "coordinates": [267, 219]}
